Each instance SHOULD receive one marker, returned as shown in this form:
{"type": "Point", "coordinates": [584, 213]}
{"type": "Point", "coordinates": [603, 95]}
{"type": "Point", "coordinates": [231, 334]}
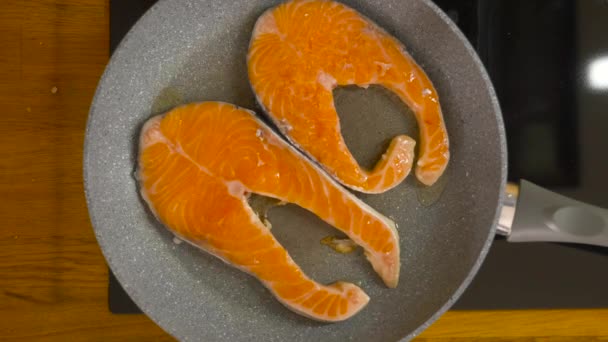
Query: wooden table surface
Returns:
{"type": "Point", "coordinates": [53, 279]}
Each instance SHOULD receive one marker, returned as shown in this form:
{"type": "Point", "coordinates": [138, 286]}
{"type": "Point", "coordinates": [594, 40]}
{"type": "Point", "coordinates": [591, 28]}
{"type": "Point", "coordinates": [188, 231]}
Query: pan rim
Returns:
{"type": "Point", "coordinates": [503, 156]}
{"type": "Point", "coordinates": [145, 305]}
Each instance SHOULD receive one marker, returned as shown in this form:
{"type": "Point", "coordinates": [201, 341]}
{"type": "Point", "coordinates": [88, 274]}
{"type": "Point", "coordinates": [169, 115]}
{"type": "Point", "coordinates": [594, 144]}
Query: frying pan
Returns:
{"type": "Point", "coordinates": [194, 50]}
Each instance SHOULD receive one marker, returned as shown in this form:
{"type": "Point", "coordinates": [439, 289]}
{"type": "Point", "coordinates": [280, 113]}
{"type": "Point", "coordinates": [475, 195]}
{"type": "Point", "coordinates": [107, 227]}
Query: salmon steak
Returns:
{"type": "Point", "coordinates": [302, 49]}
{"type": "Point", "coordinates": [199, 163]}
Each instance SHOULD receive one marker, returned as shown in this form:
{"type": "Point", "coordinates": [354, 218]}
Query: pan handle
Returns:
{"type": "Point", "coordinates": [531, 213]}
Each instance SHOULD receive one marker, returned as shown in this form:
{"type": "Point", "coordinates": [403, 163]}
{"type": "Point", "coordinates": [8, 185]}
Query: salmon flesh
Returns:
{"type": "Point", "coordinates": [199, 163]}
{"type": "Point", "coordinates": [302, 49]}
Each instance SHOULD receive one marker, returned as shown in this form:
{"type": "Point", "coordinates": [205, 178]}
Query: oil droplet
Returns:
{"type": "Point", "coordinates": [429, 195]}
{"type": "Point", "coordinates": [340, 245]}
{"type": "Point", "coordinates": [411, 77]}
{"type": "Point", "coordinates": [168, 99]}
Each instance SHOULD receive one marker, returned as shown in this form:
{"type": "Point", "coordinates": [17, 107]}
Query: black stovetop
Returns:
{"type": "Point", "coordinates": [543, 59]}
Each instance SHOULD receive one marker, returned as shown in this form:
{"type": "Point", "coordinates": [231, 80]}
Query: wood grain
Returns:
{"type": "Point", "coordinates": [53, 279]}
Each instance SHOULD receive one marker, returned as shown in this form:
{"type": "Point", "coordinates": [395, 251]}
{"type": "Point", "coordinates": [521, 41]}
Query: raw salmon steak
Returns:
{"type": "Point", "coordinates": [199, 163]}
{"type": "Point", "coordinates": [302, 49]}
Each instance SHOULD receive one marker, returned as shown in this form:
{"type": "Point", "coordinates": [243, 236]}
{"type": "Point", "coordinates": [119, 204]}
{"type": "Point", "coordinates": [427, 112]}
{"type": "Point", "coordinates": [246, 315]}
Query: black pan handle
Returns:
{"type": "Point", "coordinates": [531, 213]}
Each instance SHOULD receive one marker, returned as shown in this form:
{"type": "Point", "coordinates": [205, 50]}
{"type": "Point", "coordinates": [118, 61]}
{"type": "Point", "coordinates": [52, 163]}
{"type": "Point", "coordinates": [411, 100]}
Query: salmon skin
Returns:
{"type": "Point", "coordinates": [199, 163]}
{"type": "Point", "coordinates": [302, 49]}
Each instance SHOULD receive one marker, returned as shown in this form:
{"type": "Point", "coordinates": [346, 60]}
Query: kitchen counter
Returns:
{"type": "Point", "coordinates": [53, 283]}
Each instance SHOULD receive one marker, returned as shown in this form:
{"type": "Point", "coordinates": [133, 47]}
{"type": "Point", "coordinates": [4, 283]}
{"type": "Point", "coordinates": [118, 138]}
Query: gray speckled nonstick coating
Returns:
{"type": "Point", "coordinates": [197, 49]}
